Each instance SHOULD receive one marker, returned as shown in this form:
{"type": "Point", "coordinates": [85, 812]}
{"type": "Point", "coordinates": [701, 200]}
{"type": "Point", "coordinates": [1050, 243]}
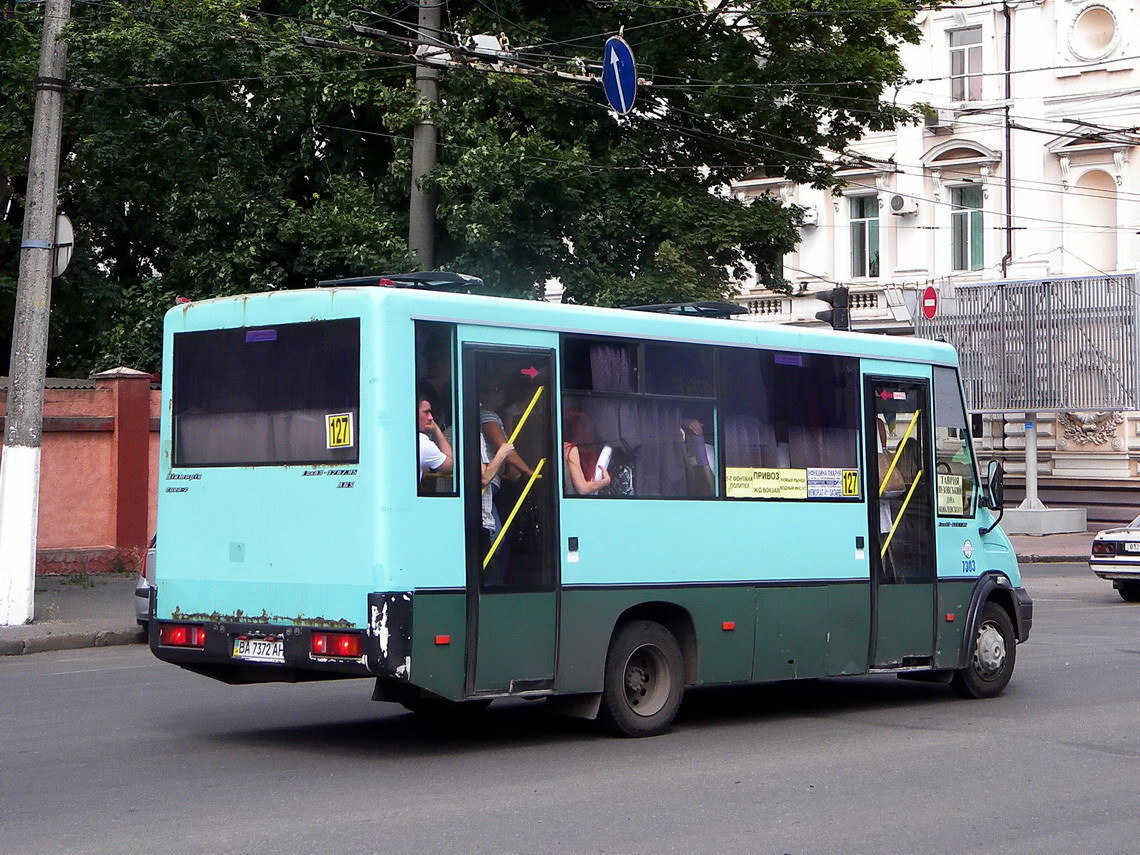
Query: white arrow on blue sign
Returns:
{"type": "Point", "coordinates": [619, 75]}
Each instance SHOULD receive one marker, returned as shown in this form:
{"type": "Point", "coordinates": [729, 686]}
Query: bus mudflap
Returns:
{"type": "Point", "coordinates": [390, 627]}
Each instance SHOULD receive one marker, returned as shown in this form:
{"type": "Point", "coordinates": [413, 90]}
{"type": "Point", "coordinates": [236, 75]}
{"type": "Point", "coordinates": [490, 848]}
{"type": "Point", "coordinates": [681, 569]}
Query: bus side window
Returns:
{"type": "Point", "coordinates": [954, 459]}
{"type": "Point", "coordinates": [642, 411]}
{"type": "Point", "coordinates": [435, 384]}
{"type": "Point", "coordinates": [786, 414]}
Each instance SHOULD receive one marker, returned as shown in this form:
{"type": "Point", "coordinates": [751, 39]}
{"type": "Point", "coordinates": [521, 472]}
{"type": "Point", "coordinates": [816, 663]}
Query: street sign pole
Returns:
{"type": "Point", "coordinates": [23, 426]}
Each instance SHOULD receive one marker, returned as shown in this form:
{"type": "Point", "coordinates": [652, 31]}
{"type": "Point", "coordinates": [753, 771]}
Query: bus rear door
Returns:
{"type": "Point", "coordinates": [511, 525]}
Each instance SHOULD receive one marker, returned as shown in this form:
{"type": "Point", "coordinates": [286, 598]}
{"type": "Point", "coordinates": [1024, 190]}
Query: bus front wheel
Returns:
{"type": "Point", "coordinates": [644, 680]}
{"type": "Point", "coordinates": [992, 656]}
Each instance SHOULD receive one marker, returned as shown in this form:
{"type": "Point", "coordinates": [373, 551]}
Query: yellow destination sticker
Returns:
{"type": "Point", "coordinates": [751, 483]}
{"type": "Point", "coordinates": [338, 427]}
{"type": "Point", "coordinates": [850, 482]}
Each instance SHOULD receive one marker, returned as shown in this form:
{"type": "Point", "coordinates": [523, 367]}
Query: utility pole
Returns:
{"type": "Point", "coordinates": [425, 138]}
{"type": "Point", "coordinates": [20, 464]}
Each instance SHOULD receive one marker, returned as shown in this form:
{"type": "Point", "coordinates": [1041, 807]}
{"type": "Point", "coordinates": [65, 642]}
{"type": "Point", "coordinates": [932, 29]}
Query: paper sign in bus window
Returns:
{"type": "Point", "coordinates": [338, 429]}
{"type": "Point", "coordinates": [832, 483]}
{"type": "Point", "coordinates": [951, 496]}
{"type": "Point", "coordinates": [754, 483]}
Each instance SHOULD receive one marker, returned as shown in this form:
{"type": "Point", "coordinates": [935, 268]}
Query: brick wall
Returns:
{"type": "Point", "coordinates": [97, 472]}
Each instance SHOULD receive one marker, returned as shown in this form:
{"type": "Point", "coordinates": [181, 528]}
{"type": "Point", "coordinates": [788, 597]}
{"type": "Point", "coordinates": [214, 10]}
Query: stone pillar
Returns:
{"type": "Point", "coordinates": [131, 453]}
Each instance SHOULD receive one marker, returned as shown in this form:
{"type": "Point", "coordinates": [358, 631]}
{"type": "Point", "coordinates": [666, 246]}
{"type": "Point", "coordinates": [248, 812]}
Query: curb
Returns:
{"type": "Point", "coordinates": [70, 641]}
{"type": "Point", "coordinates": [1030, 558]}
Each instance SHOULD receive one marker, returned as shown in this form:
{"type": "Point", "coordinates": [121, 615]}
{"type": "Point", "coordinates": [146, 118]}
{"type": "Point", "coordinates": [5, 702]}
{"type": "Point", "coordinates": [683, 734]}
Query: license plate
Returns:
{"type": "Point", "coordinates": [1132, 547]}
{"type": "Point", "coordinates": [259, 650]}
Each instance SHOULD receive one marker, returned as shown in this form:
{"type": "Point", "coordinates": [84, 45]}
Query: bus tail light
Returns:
{"type": "Point", "coordinates": [346, 644]}
{"type": "Point", "coordinates": [182, 635]}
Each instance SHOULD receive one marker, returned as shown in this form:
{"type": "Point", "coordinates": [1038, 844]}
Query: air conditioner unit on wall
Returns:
{"type": "Point", "coordinates": [903, 206]}
{"type": "Point", "coordinates": [810, 216]}
{"type": "Point", "coordinates": [939, 120]}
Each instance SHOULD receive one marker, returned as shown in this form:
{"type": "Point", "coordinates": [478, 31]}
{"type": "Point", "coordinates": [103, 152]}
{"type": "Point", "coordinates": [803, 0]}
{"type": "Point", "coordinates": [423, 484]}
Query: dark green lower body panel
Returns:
{"type": "Point", "coordinates": [436, 667]}
{"type": "Point", "coordinates": [775, 632]}
{"type": "Point", "coordinates": [812, 631]}
{"type": "Point", "coordinates": [516, 640]}
{"type": "Point", "coordinates": [906, 623]}
{"type": "Point", "coordinates": [953, 599]}
{"type": "Point", "coordinates": [740, 633]}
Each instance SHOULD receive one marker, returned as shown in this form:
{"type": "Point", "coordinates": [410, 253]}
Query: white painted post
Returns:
{"type": "Point", "coordinates": [1031, 501]}
{"type": "Point", "coordinates": [20, 466]}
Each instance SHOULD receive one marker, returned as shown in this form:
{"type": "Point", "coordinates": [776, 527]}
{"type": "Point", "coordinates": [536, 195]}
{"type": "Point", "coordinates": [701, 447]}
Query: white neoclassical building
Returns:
{"type": "Point", "coordinates": [1026, 167]}
{"type": "Point", "coordinates": [968, 195]}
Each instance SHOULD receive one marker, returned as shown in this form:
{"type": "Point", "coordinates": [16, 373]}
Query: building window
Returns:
{"type": "Point", "coordinates": [966, 227]}
{"type": "Point", "coordinates": [864, 235]}
{"type": "Point", "coordinates": [966, 64]}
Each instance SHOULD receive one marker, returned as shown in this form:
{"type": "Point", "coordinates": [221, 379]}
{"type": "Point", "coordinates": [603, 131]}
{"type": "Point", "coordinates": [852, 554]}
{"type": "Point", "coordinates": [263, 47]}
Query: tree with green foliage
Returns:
{"type": "Point", "coordinates": [208, 152]}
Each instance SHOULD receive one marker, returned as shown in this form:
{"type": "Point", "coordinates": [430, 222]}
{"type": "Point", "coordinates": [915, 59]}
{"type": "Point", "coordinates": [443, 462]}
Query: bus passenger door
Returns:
{"type": "Point", "coordinates": [900, 473]}
{"type": "Point", "coordinates": [511, 523]}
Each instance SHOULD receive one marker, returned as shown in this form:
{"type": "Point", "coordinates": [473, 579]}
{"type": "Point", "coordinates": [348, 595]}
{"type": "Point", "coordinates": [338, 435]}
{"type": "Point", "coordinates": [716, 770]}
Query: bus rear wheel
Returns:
{"type": "Point", "coordinates": [992, 656]}
{"type": "Point", "coordinates": [644, 680]}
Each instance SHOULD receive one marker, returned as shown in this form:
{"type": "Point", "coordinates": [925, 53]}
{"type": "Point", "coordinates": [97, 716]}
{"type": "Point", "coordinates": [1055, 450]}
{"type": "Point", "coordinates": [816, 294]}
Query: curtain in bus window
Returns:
{"type": "Point", "coordinates": [611, 368]}
{"type": "Point", "coordinates": [749, 435]}
{"type": "Point", "coordinates": [793, 412]}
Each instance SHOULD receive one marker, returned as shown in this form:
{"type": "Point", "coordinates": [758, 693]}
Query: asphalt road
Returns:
{"type": "Point", "coordinates": [107, 750]}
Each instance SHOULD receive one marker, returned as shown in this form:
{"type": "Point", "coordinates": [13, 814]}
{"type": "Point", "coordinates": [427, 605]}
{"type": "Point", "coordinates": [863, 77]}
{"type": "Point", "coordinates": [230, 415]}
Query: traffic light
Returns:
{"type": "Point", "coordinates": [839, 315]}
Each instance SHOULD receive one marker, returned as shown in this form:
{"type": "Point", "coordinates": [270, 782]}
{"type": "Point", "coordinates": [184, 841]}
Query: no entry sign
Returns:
{"type": "Point", "coordinates": [929, 303]}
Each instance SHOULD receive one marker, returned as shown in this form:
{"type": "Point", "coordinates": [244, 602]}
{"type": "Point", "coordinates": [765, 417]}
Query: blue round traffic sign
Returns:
{"type": "Point", "coordinates": [619, 75]}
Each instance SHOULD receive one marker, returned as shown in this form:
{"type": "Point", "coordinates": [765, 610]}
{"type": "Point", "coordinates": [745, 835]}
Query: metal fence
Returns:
{"type": "Point", "coordinates": [1042, 345]}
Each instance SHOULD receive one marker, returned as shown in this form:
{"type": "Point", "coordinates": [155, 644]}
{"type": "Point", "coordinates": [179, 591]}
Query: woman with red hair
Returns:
{"type": "Point", "coordinates": [580, 455]}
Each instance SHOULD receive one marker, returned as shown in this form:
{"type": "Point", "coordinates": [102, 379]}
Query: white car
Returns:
{"type": "Point", "coordinates": [1116, 557]}
{"type": "Point", "coordinates": [142, 587]}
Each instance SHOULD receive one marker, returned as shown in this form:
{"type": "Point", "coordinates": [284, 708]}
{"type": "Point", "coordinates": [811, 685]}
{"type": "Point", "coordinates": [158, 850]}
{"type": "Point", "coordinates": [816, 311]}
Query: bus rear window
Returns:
{"type": "Point", "coordinates": [256, 396]}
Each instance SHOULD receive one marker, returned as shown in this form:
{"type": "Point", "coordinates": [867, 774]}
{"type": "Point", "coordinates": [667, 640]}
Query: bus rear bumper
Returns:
{"type": "Point", "coordinates": [289, 657]}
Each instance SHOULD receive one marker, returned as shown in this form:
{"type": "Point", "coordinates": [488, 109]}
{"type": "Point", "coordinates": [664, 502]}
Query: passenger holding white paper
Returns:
{"type": "Point", "coordinates": [580, 455]}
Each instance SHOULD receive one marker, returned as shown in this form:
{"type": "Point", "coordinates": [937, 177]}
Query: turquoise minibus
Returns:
{"type": "Point", "coordinates": [466, 497]}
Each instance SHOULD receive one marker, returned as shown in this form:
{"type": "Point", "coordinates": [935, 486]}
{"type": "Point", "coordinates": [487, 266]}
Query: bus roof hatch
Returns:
{"type": "Point", "coordinates": [435, 280]}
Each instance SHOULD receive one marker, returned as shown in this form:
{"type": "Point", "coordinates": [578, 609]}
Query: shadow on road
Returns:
{"type": "Point", "coordinates": [521, 724]}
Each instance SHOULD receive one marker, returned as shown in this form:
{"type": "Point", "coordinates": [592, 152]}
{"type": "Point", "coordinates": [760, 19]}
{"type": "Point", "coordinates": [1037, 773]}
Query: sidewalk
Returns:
{"type": "Point", "coordinates": [74, 611]}
{"type": "Point", "coordinates": [100, 610]}
{"type": "Point", "coordinates": [1052, 547]}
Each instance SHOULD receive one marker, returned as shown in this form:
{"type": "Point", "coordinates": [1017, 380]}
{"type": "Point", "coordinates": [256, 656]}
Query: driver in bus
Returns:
{"type": "Point", "coordinates": [435, 451]}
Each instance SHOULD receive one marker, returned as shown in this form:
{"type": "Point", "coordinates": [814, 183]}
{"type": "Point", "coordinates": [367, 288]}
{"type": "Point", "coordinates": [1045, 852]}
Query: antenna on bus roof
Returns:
{"type": "Point", "coordinates": [435, 280]}
{"type": "Point", "coordinates": [703, 309]}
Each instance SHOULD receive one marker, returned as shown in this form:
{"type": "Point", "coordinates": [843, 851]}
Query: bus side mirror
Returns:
{"type": "Point", "coordinates": [994, 494]}
{"type": "Point", "coordinates": [995, 486]}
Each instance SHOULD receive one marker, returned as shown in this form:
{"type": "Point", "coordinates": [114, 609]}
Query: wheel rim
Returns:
{"type": "Point", "coordinates": [989, 651]}
{"type": "Point", "coordinates": [647, 681]}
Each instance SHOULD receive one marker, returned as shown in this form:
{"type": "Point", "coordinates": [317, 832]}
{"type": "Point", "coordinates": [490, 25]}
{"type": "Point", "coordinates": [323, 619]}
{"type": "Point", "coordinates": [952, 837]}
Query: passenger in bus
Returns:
{"type": "Point", "coordinates": [698, 469]}
{"type": "Point", "coordinates": [492, 519]}
{"type": "Point", "coordinates": [584, 473]}
{"type": "Point", "coordinates": [434, 450]}
{"type": "Point", "coordinates": [491, 399]}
